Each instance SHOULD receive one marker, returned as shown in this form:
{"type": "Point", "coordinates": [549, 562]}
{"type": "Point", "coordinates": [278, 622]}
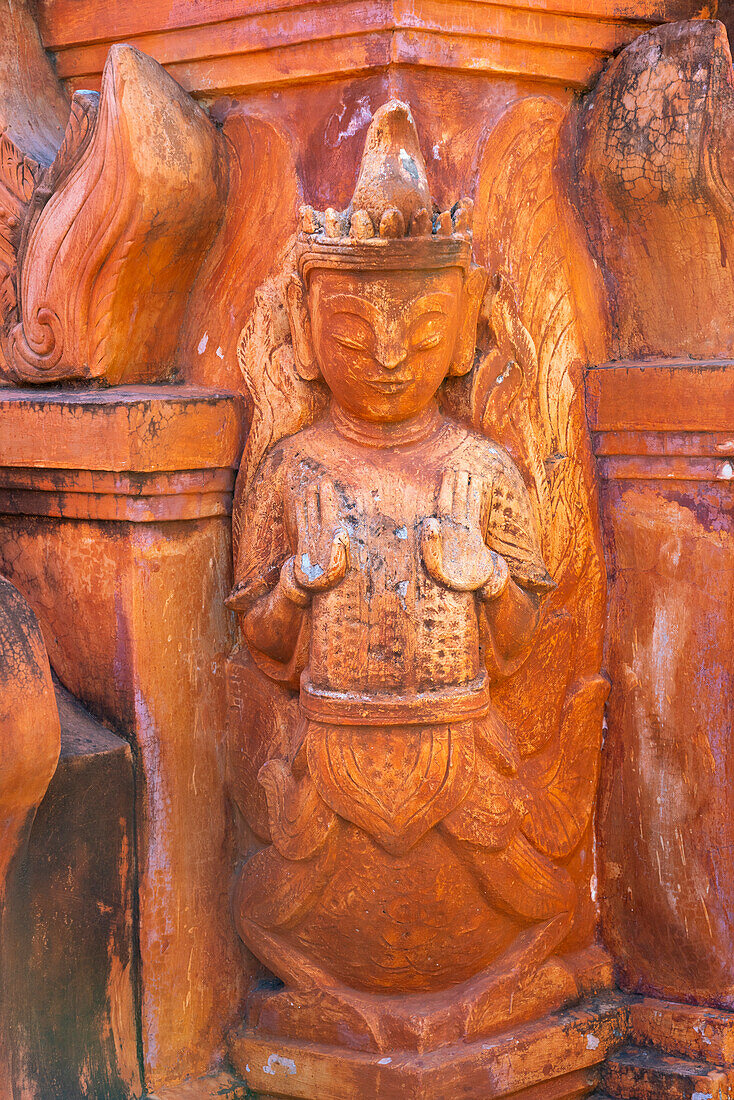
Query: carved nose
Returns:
{"type": "Point", "coordinates": [392, 357]}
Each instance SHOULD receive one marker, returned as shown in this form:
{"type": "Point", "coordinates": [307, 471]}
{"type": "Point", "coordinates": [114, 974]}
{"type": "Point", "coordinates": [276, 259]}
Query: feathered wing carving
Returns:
{"type": "Point", "coordinates": [526, 391]}
{"type": "Point", "coordinates": [281, 402]}
{"type": "Point", "coordinates": [117, 231]}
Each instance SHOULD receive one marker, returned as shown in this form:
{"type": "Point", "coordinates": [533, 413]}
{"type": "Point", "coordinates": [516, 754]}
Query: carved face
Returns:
{"type": "Point", "coordinates": [384, 341]}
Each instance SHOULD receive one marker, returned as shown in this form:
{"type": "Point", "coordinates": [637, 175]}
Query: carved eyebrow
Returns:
{"type": "Point", "coordinates": [348, 303]}
{"type": "Point", "coordinates": [430, 303]}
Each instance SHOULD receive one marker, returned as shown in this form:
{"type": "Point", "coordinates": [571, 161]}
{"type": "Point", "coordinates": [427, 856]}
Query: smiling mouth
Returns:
{"type": "Point", "coordinates": [389, 385]}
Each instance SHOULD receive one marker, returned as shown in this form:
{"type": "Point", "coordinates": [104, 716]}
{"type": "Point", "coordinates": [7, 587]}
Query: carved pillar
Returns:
{"type": "Point", "coordinates": [653, 175]}
{"type": "Point", "coordinates": [666, 875]}
{"type": "Point", "coordinates": [114, 523]}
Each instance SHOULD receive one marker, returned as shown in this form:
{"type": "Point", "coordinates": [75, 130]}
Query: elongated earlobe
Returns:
{"type": "Point", "coordinates": [474, 284]}
{"type": "Point", "coordinates": [295, 295]}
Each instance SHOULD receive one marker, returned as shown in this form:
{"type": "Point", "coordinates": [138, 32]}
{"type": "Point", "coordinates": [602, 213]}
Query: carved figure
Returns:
{"type": "Point", "coordinates": [389, 569]}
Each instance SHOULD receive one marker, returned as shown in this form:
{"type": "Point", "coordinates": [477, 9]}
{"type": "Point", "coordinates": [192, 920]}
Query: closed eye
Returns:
{"type": "Point", "coordinates": [428, 330]}
{"type": "Point", "coordinates": [352, 331]}
{"type": "Point", "coordinates": [347, 341]}
{"type": "Point", "coordinates": [430, 341]}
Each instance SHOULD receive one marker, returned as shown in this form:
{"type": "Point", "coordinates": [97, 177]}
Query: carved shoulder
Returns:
{"type": "Point", "coordinates": [510, 525]}
{"type": "Point", "coordinates": [482, 455]}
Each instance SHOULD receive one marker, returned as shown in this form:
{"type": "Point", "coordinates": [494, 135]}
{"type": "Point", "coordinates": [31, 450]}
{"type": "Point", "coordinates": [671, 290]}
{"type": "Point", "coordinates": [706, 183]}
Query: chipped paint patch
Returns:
{"type": "Point", "coordinates": [202, 343]}
{"type": "Point", "coordinates": [275, 1062]}
{"type": "Point", "coordinates": [592, 1042]}
{"type": "Point", "coordinates": [409, 165]}
{"type": "Point", "coordinates": [313, 572]}
{"type": "Point", "coordinates": [361, 117]}
{"type": "Point", "coordinates": [700, 1031]}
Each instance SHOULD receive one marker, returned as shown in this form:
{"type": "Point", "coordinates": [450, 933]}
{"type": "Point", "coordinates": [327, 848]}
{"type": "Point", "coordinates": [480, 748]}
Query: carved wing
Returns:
{"type": "Point", "coordinates": [526, 391]}
{"type": "Point", "coordinates": [281, 402]}
{"type": "Point", "coordinates": [242, 282]}
{"type": "Point", "coordinates": [528, 386]}
{"type": "Point", "coordinates": [562, 781]}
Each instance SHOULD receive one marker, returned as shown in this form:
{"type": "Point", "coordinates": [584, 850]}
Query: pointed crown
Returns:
{"type": "Point", "coordinates": [391, 221]}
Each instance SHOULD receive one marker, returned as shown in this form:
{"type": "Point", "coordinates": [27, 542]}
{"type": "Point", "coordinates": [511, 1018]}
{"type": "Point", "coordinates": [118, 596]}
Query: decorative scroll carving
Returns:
{"type": "Point", "coordinates": [425, 791]}
{"type": "Point", "coordinates": [33, 112]}
{"type": "Point", "coordinates": [114, 232]}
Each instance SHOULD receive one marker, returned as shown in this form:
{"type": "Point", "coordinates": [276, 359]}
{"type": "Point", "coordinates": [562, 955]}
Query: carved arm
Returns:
{"type": "Point", "coordinates": [273, 623]}
{"type": "Point", "coordinates": [513, 618]}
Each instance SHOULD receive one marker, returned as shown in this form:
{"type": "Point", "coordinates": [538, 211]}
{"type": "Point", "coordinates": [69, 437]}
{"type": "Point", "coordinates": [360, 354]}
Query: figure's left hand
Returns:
{"type": "Point", "coordinates": [454, 550]}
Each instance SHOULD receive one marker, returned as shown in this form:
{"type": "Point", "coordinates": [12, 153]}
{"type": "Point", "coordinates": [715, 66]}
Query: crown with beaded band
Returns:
{"type": "Point", "coordinates": [391, 221]}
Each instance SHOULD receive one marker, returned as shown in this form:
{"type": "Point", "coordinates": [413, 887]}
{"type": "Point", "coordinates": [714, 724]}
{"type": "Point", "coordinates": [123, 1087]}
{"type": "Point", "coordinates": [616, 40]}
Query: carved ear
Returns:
{"type": "Point", "coordinates": [474, 284]}
{"type": "Point", "coordinates": [295, 296]}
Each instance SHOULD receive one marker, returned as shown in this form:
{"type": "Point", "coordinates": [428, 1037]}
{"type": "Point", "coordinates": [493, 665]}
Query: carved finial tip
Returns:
{"type": "Point", "coordinates": [309, 220]}
{"type": "Point", "coordinates": [392, 223]}
{"type": "Point", "coordinates": [361, 225]}
{"type": "Point", "coordinates": [333, 223]}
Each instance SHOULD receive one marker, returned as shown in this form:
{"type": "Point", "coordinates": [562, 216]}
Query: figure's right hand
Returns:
{"type": "Point", "coordinates": [323, 541]}
{"type": "Point", "coordinates": [454, 551]}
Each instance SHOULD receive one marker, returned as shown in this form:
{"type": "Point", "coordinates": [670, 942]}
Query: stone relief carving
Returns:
{"type": "Point", "coordinates": [422, 796]}
{"type": "Point", "coordinates": [416, 709]}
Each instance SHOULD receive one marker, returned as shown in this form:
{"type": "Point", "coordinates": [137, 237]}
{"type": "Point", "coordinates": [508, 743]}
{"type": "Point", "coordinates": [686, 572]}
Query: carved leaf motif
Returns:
{"type": "Point", "coordinates": [79, 130]}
